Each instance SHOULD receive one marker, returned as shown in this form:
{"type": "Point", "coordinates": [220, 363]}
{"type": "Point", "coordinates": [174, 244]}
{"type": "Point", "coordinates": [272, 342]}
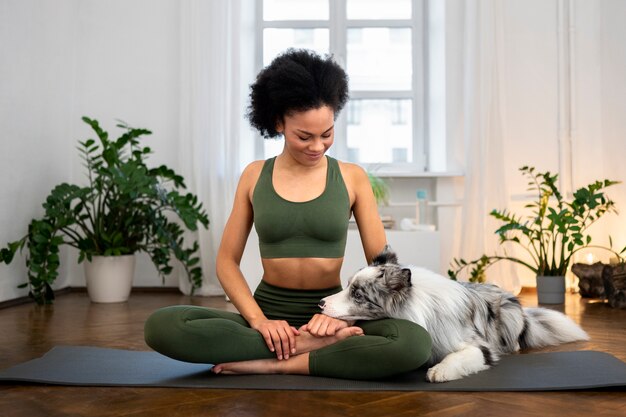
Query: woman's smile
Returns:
{"type": "Point", "coordinates": [314, 156]}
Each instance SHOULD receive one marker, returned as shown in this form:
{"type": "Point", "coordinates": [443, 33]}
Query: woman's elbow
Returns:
{"type": "Point", "coordinates": [225, 263]}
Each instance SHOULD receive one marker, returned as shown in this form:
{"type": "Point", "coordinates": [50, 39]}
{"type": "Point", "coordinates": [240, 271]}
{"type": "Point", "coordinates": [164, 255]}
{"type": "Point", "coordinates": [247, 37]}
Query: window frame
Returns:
{"type": "Point", "coordinates": [338, 24]}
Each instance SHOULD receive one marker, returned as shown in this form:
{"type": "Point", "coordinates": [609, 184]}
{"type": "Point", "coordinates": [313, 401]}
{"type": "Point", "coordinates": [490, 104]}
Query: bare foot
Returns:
{"type": "Point", "coordinates": [295, 365]}
{"type": "Point", "coordinates": [306, 342]}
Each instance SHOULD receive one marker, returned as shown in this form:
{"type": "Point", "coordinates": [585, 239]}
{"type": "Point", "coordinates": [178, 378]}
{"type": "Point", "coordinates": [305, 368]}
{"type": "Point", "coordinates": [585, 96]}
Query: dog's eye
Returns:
{"type": "Point", "coordinates": [358, 296]}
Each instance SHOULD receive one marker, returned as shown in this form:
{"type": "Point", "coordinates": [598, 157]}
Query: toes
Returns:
{"type": "Point", "coordinates": [350, 331]}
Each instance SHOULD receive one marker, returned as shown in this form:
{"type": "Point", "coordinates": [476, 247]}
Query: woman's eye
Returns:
{"type": "Point", "coordinates": [325, 136]}
{"type": "Point", "coordinates": [301, 138]}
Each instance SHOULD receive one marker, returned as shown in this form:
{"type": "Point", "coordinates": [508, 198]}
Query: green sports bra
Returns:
{"type": "Point", "coordinates": [316, 228]}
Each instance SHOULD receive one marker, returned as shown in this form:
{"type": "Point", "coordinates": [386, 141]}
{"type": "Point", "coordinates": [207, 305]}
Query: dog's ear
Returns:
{"type": "Point", "coordinates": [397, 281]}
{"type": "Point", "coordinates": [387, 256]}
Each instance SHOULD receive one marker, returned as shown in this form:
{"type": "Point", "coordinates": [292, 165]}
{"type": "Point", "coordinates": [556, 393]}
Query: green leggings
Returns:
{"type": "Point", "coordinates": [205, 335]}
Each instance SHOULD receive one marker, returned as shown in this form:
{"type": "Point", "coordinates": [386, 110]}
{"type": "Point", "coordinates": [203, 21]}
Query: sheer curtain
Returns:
{"type": "Point", "coordinates": [483, 127]}
{"type": "Point", "coordinates": [214, 35]}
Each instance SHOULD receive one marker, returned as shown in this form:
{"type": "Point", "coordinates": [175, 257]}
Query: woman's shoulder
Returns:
{"type": "Point", "coordinates": [252, 170]}
{"type": "Point", "coordinates": [254, 166]}
{"type": "Point", "coordinates": [251, 173]}
{"type": "Point", "coordinates": [353, 171]}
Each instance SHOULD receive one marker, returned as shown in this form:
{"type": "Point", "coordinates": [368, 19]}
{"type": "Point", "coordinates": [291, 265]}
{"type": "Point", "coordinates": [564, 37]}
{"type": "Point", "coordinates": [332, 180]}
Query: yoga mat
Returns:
{"type": "Point", "coordinates": [94, 366]}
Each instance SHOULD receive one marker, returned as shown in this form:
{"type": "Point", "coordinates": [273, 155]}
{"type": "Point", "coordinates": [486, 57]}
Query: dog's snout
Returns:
{"type": "Point", "coordinates": [321, 304]}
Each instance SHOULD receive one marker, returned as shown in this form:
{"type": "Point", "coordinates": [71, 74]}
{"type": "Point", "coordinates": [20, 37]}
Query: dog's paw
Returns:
{"type": "Point", "coordinates": [442, 373]}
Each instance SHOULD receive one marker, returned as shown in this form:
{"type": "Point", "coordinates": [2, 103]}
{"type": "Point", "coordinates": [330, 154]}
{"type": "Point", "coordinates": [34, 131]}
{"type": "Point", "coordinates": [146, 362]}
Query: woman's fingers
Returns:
{"type": "Point", "coordinates": [314, 325]}
{"type": "Point", "coordinates": [331, 328]}
{"type": "Point", "coordinates": [288, 341]}
{"type": "Point", "coordinates": [277, 343]}
{"type": "Point", "coordinates": [280, 338]}
{"type": "Point", "coordinates": [323, 329]}
{"type": "Point", "coordinates": [322, 325]}
{"type": "Point", "coordinates": [268, 339]}
{"type": "Point", "coordinates": [292, 332]}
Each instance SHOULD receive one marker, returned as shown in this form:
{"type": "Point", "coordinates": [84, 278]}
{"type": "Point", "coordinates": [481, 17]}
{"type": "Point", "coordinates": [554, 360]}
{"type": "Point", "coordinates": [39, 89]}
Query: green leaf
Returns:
{"type": "Point", "coordinates": [39, 238]}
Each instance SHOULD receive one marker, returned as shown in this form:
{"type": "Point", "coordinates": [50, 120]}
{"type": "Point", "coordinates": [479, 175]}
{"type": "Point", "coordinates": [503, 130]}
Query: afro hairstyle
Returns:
{"type": "Point", "coordinates": [296, 80]}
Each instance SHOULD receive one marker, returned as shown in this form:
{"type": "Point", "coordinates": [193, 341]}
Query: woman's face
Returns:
{"type": "Point", "coordinates": [308, 134]}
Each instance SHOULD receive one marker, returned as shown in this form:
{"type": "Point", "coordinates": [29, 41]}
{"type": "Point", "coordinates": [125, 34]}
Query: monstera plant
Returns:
{"type": "Point", "coordinates": [125, 208]}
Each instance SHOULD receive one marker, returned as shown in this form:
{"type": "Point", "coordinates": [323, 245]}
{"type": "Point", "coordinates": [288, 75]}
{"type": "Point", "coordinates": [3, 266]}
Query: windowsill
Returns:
{"type": "Point", "coordinates": [416, 174]}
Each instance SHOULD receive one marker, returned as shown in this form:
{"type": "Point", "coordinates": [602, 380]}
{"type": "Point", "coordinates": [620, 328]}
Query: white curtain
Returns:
{"type": "Point", "coordinates": [213, 37]}
{"type": "Point", "coordinates": [483, 127]}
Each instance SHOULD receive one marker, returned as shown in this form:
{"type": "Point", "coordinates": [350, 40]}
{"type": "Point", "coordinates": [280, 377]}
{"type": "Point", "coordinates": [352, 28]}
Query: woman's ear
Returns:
{"type": "Point", "coordinates": [280, 127]}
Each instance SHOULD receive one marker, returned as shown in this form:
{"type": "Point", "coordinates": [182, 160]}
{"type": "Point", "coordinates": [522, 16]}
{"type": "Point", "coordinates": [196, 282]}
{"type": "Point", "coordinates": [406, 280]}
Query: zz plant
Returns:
{"type": "Point", "coordinates": [123, 210]}
{"type": "Point", "coordinates": [554, 231]}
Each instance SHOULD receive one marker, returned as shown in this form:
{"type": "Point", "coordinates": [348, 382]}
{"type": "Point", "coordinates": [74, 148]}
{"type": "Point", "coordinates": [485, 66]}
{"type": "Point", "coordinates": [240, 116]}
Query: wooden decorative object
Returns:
{"type": "Point", "coordinates": [590, 282]}
{"type": "Point", "coordinates": [614, 277]}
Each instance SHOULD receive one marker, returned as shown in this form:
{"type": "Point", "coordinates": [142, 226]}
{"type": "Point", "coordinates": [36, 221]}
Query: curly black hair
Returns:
{"type": "Point", "coordinates": [296, 80]}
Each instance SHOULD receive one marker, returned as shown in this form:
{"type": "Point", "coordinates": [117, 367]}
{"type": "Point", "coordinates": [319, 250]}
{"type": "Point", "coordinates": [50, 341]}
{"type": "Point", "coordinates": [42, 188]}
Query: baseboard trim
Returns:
{"type": "Point", "coordinates": [26, 299]}
{"type": "Point", "coordinates": [67, 290]}
{"type": "Point", "coordinates": [135, 289]}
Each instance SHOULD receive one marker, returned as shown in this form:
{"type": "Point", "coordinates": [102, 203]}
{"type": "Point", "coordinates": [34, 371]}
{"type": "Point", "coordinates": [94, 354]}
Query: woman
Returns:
{"type": "Point", "coordinates": [300, 203]}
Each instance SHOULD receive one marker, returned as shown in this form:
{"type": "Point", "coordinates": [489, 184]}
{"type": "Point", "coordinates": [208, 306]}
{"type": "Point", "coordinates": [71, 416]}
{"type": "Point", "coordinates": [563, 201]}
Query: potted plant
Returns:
{"type": "Point", "coordinates": [381, 195]}
{"type": "Point", "coordinates": [550, 235]}
{"type": "Point", "coordinates": [123, 210]}
{"type": "Point", "coordinates": [380, 189]}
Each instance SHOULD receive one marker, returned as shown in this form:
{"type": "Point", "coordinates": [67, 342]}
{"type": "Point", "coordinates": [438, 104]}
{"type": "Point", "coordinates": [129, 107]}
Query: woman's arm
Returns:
{"type": "Point", "coordinates": [231, 249]}
{"type": "Point", "coordinates": [279, 336]}
{"type": "Point", "coordinates": [366, 214]}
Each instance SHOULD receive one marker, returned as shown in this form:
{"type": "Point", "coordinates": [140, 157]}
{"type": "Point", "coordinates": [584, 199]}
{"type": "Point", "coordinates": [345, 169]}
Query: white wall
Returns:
{"type": "Point", "coordinates": [65, 59]}
{"type": "Point", "coordinates": [36, 73]}
{"type": "Point", "coordinates": [127, 58]}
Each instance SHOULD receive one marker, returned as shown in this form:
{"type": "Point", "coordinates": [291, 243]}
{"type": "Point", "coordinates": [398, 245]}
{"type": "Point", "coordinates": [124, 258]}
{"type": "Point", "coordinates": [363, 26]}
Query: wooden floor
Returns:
{"type": "Point", "coordinates": [28, 331]}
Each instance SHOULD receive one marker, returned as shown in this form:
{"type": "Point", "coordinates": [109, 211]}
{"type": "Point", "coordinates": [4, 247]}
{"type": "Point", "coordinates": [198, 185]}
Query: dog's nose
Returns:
{"type": "Point", "coordinates": [321, 304]}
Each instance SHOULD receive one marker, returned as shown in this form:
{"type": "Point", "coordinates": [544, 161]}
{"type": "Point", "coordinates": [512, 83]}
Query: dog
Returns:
{"type": "Point", "coordinates": [471, 325]}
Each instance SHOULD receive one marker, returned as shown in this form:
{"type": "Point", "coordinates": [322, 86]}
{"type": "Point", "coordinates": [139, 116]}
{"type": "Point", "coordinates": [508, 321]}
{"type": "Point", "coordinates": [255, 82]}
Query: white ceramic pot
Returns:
{"type": "Point", "coordinates": [550, 290]}
{"type": "Point", "coordinates": [109, 278]}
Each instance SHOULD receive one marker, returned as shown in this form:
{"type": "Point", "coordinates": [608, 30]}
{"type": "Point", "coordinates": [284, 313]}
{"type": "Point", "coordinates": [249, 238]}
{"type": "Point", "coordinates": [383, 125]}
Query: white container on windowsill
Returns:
{"type": "Point", "coordinates": [408, 224]}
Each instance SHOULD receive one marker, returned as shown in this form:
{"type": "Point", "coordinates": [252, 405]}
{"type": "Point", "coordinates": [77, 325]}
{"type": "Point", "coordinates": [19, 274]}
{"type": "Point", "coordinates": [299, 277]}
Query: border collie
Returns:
{"type": "Point", "coordinates": [471, 325]}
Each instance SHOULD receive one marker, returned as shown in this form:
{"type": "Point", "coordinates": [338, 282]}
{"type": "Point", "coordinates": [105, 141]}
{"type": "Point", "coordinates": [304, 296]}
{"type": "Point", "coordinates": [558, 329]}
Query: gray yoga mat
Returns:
{"type": "Point", "coordinates": [93, 366]}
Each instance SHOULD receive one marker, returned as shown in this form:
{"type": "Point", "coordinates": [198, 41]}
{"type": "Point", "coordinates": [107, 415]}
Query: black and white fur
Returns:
{"type": "Point", "coordinates": [471, 325]}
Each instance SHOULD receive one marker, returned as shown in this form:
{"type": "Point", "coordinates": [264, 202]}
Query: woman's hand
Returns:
{"type": "Point", "coordinates": [279, 336]}
{"type": "Point", "coordinates": [322, 325]}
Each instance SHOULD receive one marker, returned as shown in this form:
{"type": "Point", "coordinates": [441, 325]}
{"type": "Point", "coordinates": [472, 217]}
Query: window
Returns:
{"type": "Point", "coordinates": [380, 44]}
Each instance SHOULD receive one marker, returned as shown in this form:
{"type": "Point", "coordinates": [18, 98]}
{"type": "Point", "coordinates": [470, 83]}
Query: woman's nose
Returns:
{"type": "Point", "coordinates": [317, 145]}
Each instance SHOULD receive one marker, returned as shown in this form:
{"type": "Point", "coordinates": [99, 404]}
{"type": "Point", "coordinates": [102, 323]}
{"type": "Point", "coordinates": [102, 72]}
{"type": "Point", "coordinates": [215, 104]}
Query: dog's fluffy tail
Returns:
{"type": "Point", "coordinates": [544, 327]}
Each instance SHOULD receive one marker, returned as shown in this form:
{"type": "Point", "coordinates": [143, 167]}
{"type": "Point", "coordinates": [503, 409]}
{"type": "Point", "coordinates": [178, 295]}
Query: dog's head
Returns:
{"type": "Point", "coordinates": [373, 292]}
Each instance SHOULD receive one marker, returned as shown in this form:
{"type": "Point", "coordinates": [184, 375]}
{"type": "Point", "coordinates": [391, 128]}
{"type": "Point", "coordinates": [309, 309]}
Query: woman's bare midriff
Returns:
{"type": "Point", "coordinates": [302, 273]}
